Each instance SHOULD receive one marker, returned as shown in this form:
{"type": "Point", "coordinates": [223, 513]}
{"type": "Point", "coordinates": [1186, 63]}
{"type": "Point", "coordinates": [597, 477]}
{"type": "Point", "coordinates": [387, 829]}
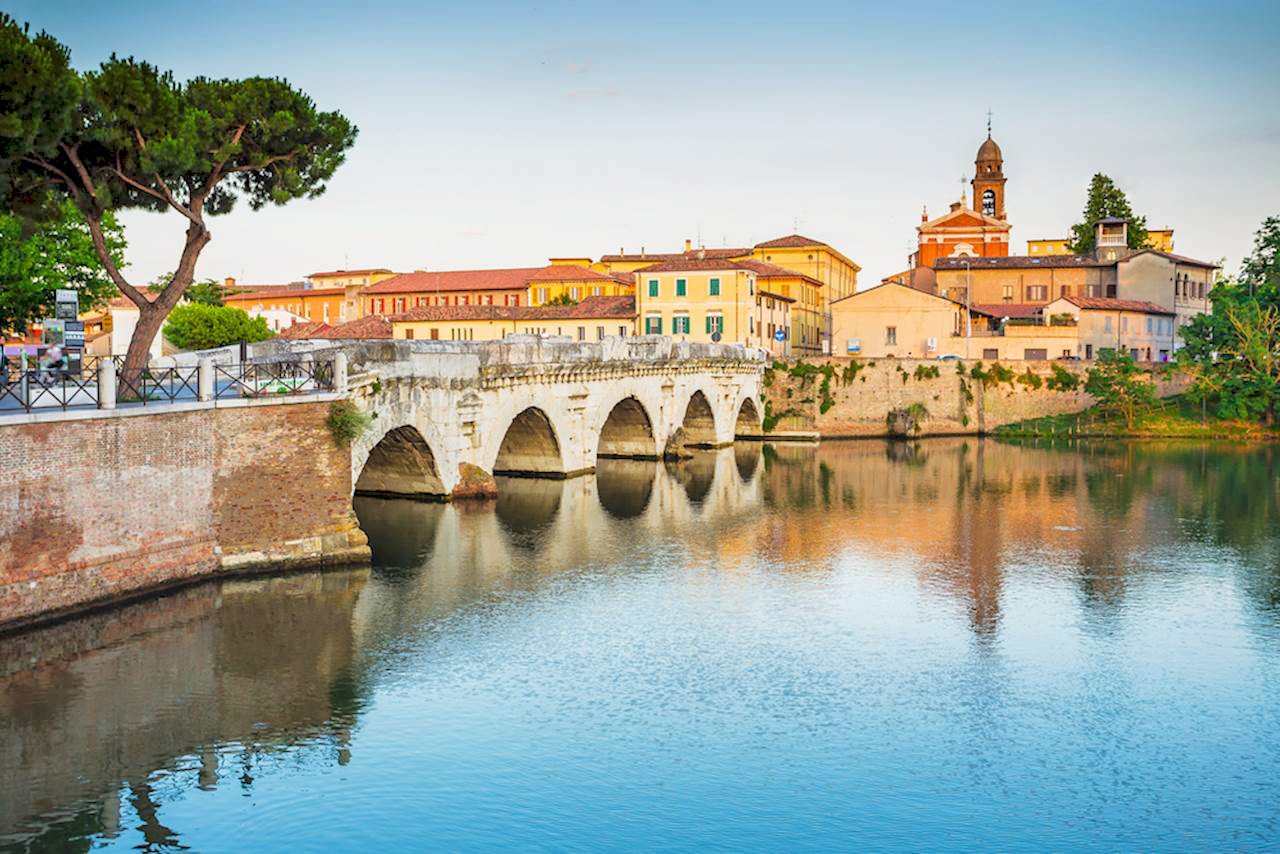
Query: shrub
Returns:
{"type": "Point", "coordinates": [926, 372]}
{"type": "Point", "coordinates": [1119, 387]}
{"type": "Point", "coordinates": [1031, 379]}
{"type": "Point", "coordinates": [347, 422]}
{"type": "Point", "coordinates": [197, 326]}
{"type": "Point", "coordinates": [1063, 380]}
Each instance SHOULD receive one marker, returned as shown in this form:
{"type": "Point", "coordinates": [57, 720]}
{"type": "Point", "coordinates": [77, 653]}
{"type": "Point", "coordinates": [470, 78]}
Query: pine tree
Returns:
{"type": "Point", "coordinates": [1106, 200]}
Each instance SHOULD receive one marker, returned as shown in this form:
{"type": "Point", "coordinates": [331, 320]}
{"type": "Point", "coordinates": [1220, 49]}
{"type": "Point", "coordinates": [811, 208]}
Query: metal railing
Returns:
{"type": "Point", "coordinates": [71, 387]}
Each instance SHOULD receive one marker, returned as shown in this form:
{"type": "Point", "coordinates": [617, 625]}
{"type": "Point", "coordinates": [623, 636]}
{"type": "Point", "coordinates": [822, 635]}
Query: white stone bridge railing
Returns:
{"type": "Point", "coordinates": [449, 415]}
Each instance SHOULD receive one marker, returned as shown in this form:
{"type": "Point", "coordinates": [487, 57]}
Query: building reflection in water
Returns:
{"type": "Point", "coordinates": [204, 683]}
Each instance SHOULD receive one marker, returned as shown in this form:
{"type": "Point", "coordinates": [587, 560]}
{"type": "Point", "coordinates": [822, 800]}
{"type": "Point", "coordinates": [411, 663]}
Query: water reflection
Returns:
{"type": "Point", "coordinates": [786, 605]}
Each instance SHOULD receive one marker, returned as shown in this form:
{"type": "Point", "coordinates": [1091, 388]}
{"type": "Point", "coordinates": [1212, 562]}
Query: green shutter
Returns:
{"type": "Point", "coordinates": [714, 288]}
{"type": "Point", "coordinates": [653, 287]}
{"type": "Point", "coordinates": [681, 287]}
{"type": "Point", "coordinates": [709, 320]}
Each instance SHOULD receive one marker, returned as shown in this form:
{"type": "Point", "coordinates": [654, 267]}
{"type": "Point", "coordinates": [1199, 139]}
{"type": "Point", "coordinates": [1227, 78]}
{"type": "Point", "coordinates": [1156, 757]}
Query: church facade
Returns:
{"type": "Point", "coordinates": [980, 231]}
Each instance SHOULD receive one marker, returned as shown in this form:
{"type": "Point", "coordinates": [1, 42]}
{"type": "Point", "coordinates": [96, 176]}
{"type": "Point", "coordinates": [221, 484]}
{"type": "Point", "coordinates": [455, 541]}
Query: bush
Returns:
{"type": "Point", "coordinates": [196, 326]}
{"type": "Point", "coordinates": [1063, 380]}
{"type": "Point", "coordinates": [926, 372]}
{"type": "Point", "coordinates": [1120, 387]}
{"type": "Point", "coordinates": [347, 422]}
{"type": "Point", "coordinates": [1031, 379]}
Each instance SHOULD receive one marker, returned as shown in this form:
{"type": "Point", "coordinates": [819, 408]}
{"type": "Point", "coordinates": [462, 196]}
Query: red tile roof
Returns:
{"type": "Point", "coordinates": [791, 241]}
{"type": "Point", "coordinates": [277, 294]}
{"type": "Point", "coordinates": [566, 273]}
{"type": "Point", "coordinates": [512, 279]}
{"type": "Point", "coordinates": [773, 271]}
{"type": "Point", "coordinates": [366, 327]}
{"type": "Point", "coordinates": [624, 278]}
{"type": "Point", "coordinates": [779, 297]}
{"type": "Point", "coordinates": [1020, 262]}
{"type": "Point", "coordinates": [300, 331]}
{"type": "Point", "coordinates": [680, 263]}
{"type": "Point", "coordinates": [591, 308]}
{"type": "Point", "coordinates": [1109, 304]}
{"type": "Point", "coordinates": [365, 272]}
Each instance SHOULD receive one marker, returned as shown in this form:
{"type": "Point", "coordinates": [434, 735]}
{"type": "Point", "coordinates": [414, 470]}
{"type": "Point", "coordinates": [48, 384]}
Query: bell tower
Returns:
{"type": "Point", "coordinates": [988, 178]}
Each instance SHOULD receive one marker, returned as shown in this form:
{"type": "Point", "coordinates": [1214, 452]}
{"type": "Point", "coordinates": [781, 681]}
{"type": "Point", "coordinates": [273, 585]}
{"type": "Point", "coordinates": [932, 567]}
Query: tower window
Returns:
{"type": "Point", "coordinates": [989, 202]}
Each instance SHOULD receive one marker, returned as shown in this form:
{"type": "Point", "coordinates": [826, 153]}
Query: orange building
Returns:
{"type": "Point", "coordinates": [517, 286]}
{"type": "Point", "coordinates": [323, 305]}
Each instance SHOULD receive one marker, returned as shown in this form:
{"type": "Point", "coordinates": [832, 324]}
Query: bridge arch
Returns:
{"type": "Point", "coordinates": [401, 465]}
{"type": "Point", "coordinates": [530, 447]}
{"type": "Point", "coordinates": [748, 418]}
{"type": "Point", "coordinates": [699, 422]}
{"type": "Point", "coordinates": [627, 432]}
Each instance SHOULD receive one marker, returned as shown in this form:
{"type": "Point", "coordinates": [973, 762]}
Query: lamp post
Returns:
{"type": "Point", "coordinates": [968, 309]}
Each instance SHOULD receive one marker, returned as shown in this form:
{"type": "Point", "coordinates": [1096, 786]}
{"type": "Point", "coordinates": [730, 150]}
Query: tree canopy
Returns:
{"type": "Point", "coordinates": [56, 253]}
{"type": "Point", "coordinates": [205, 291]}
{"type": "Point", "coordinates": [1233, 353]}
{"type": "Point", "coordinates": [1119, 386]}
{"type": "Point", "coordinates": [130, 136]}
{"type": "Point", "coordinates": [196, 326]}
{"type": "Point", "coordinates": [1105, 199]}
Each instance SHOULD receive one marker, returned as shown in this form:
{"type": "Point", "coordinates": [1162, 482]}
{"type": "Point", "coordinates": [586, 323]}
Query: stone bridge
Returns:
{"type": "Point", "coordinates": [449, 415]}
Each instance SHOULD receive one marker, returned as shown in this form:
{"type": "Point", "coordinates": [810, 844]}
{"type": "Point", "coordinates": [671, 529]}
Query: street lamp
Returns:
{"type": "Point", "coordinates": [968, 308]}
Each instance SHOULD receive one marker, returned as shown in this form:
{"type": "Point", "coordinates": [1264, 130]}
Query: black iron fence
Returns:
{"type": "Point", "coordinates": [76, 386]}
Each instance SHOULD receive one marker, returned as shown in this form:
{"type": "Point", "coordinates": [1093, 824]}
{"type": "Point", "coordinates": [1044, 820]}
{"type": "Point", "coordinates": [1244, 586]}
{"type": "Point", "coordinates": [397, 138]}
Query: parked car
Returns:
{"type": "Point", "coordinates": [948, 357]}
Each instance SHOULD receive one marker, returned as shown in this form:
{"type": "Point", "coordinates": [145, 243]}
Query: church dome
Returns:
{"type": "Point", "coordinates": [989, 151]}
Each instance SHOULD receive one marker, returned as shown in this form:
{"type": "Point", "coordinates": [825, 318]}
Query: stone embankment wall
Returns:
{"type": "Point", "coordinates": [96, 509]}
{"type": "Point", "coordinates": [860, 393]}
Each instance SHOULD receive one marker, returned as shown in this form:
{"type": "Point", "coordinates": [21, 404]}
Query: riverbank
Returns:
{"type": "Point", "coordinates": [1173, 418]}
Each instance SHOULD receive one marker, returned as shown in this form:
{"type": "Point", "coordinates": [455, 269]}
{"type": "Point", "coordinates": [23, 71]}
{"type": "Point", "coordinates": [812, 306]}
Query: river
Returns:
{"type": "Point", "coordinates": [947, 644]}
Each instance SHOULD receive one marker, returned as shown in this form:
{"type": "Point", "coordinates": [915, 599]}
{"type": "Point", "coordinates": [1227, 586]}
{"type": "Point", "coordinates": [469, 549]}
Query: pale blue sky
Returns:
{"type": "Point", "coordinates": [499, 134]}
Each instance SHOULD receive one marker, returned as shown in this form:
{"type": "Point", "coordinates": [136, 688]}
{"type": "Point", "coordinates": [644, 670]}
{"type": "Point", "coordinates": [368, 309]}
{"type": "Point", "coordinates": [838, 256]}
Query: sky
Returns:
{"type": "Point", "coordinates": [501, 134]}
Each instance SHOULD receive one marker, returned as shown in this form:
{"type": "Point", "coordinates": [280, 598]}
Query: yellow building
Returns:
{"type": "Point", "coordinates": [825, 275]}
{"type": "Point", "coordinates": [1054, 246]}
{"type": "Point", "coordinates": [893, 320]}
{"type": "Point", "coordinates": [349, 278]}
{"type": "Point", "coordinates": [705, 299]}
{"type": "Point", "coordinates": [594, 319]}
{"type": "Point", "coordinates": [1159, 239]}
{"type": "Point", "coordinates": [515, 286]}
{"type": "Point", "coordinates": [574, 281]}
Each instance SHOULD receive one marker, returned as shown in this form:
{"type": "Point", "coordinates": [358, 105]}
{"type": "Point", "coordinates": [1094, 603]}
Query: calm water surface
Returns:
{"type": "Point", "coordinates": [952, 644]}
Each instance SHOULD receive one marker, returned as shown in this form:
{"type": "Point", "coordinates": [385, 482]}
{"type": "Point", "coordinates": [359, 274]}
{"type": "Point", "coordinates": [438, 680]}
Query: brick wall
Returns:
{"type": "Point", "coordinates": [956, 404]}
{"type": "Point", "coordinates": [96, 509]}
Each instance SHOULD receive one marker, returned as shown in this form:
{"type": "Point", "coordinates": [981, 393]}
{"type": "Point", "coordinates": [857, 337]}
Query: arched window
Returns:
{"type": "Point", "coordinates": [989, 202]}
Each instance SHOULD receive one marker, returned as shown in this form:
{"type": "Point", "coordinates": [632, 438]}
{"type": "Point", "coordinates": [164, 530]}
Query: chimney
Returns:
{"type": "Point", "coordinates": [702, 254]}
{"type": "Point", "coordinates": [688, 245]}
{"type": "Point", "coordinates": [642, 251]}
{"type": "Point", "coordinates": [622, 250]}
{"type": "Point", "coordinates": [955, 206]}
{"type": "Point", "coordinates": [924, 213]}
{"type": "Point", "coordinates": [229, 282]}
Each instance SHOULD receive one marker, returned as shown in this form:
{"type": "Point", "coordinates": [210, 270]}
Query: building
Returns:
{"type": "Point", "coordinates": [1145, 330]}
{"type": "Point", "coordinates": [964, 232]}
{"type": "Point", "coordinates": [593, 319]}
{"type": "Point", "coordinates": [517, 286]}
{"type": "Point", "coordinates": [707, 299]}
{"type": "Point", "coordinates": [349, 278]}
{"type": "Point", "coordinates": [1159, 239]}
{"type": "Point", "coordinates": [326, 305]}
{"type": "Point", "coordinates": [895, 320]}
{"type": "Point", "coordinates": [1019, 285]}
{"type": "Point", "coordinates": [115, 324]}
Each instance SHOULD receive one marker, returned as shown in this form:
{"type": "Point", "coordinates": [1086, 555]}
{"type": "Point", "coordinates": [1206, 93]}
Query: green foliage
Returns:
{"type": "Point", "coordinates": [1030, 379]}
{"type": "Point", "coordinates": [562, 299]}
{"type": "Point", "coordinates": [966, 392]}
{"type": "Point", "coordinates": [927, 372]}
{"type": "Point", "coordinates": [347, 422]}
{"type": "Point", "coordinates": [1065, 319]}
{"type": "Point", "coordinates": [850, 371]}
{"type": "Point", "coordinates": [1233, 353]}
{"type": "Point", "coordinates": [1062, 379]}
{"type": "Point", "coordinates": [205, 291]}
{"type": "Point", "coordinates": [129, 136]}
{"type": "Point", "coordinates": [772, 418]}
{"type": "Point", "coordinates": [196, 326]}
{"type": "Point", "coordinates": [918, 412]}
{"type": "Point", "coordinates": [39, 258]}
{"type": "Point", "coordinates": [1120, 387]}
{"type": "Point", "coordinates": [1106, 200]}
{"type": "Point", "coordinates": [997, 373]}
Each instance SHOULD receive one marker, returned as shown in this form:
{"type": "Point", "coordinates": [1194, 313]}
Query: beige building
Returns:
{"type": "Point", "coordinates": [893, 320]}
{"type": "Point", "coordinates": [1145, 330]}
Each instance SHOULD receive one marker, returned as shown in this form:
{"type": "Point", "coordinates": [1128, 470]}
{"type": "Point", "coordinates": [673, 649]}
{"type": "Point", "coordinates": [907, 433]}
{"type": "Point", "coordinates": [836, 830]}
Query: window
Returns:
{"type": "Point", "coordinates": [408, 333]}
{"type": "Point", "coordinates": [991, 353]}
{"type": "Point", "coordinates": [891, 335]}
{"type": "Point", "coordinates": [989, 202]}
{"type": "Point", "coordinates": [1124, 323]}
{"type": "Point", "coordinates": [595, 292]}
{"type": "Point", "coordinates": [1149, 330]}
{"type": "Point", "coordinates": [513, 299]}
{"type": "Point", "coordinates": [488, 299]}
{"type": "Point", "coordinates": [435, 334]}
{"type": "Point", "coordinates": [582, 333]}
{"type": "Point", "coordinates": [751, 287]}
{"type": "Point", "coordinates": [465, 299]}
{"type": "Point", "coordinates": [680, 324]}
{"type": "Point", "coordinates": [1006, 293]}
{"type": "Point", "coordinates": [751, 325]}
{"type": "Point", "coordinates": [653, 324]}
{"type": "Point", "coordinates": [573, 293]}
{"type": "Point", "coordinates": [682, 285]}
{"type": "Point", "coordinates": [599, 333]}
{"type": "Point", "coordinates": [622, 332]}
{"type": "Point", "coordinates": [1106, 323]}
{"type": "Point", "coordinates": [1036, 355]}
{"type": "Point", "coordinates": [713, 288]}
{"type": "Point", "coordinates": [1088, 351]}
{"type": "Point", "coordinates": [542, 296]}
{"type": "Point", "coordinates": [653, 287]}
{"type": "Point", "coordinates": [326, 312]}
{"type": "Point", "coordinates": [1037, 292]}
{"type": "Point", "coordinates": [715, 323]}
{"type": "Point", "coordinates": [1065, 291]}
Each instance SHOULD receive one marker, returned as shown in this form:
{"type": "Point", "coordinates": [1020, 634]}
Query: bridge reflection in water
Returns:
{"type": "Point", "coordinates": [119, 725]}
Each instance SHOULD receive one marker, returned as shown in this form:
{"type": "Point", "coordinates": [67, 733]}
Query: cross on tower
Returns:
{"type": "Point", "coordinates": [988, 121]}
